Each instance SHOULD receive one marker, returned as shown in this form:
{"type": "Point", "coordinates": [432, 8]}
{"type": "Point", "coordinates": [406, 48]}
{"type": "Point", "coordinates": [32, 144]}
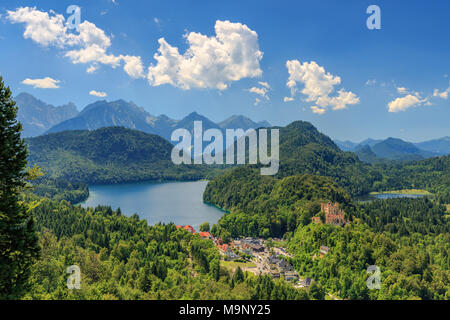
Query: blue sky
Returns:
{"type": "Point", "coordinates": [349, 81]}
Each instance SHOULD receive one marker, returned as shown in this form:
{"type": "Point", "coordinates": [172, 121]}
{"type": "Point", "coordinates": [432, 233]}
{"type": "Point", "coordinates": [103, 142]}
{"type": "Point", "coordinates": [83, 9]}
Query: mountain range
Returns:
{"type": "Point", "coordinates": [37, 116]}
{"type": "Point", "coordinates": [115, 113]}
{"type": "Point", "coordinates": [371, 150]}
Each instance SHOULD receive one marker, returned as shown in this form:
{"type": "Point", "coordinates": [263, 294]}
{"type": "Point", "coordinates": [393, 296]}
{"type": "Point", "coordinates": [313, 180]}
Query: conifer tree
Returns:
{"type": "Point", "coordinates": [18, 239]}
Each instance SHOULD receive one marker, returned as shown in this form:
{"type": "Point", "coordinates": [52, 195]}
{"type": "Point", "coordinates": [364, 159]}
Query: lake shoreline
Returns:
{"type": "Point", "coordinates": [171, 201]}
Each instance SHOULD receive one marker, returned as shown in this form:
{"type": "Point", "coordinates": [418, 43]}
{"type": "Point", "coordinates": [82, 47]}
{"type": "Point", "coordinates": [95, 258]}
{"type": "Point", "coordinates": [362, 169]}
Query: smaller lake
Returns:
{"type": "Point", "coordinates": [177, 202]}
{"type": "Point", "coordinates": [383, 196]}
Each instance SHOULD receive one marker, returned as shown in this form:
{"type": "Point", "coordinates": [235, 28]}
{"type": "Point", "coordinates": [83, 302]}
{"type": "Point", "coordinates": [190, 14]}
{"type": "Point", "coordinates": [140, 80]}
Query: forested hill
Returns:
{"type": "Point", "coordinates": [107, 155]}
{"type": "Point", "coordinates": [305, 150]}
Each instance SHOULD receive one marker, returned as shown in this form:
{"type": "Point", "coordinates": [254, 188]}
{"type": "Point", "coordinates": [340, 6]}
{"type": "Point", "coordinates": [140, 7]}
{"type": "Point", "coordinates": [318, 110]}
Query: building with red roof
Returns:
{"type": "Point", "coordinates": [205, 235]}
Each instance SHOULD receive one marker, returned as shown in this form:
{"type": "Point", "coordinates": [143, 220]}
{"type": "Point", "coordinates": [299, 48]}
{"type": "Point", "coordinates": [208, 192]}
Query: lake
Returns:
{"type": "Point", "coordinates": [177, 202]}
{"type": "Point", "coordinates": [383, 196]}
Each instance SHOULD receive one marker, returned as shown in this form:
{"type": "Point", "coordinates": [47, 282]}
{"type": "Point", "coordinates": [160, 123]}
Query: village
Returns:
{"type": "Point", "coordinates": [269, 256]}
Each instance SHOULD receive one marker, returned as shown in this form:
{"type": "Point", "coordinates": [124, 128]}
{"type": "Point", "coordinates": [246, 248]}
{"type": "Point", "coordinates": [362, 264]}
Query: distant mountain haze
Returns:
{"type": "Point", "coordinates": [108, 114]}
{"type": "Point", "coordinates": [440, 146]}
{"type": "Point", "coordinates": [371, 150]}
{"type": "Point", "coordinates": [37, 116]}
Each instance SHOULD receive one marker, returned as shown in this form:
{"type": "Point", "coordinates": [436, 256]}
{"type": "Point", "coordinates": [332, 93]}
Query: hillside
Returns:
{"type": "Point", "coordinates": [397, 149]}
{"type": "Point", "coordinates": [346, 145]}
{"type": "Point", "coordinates": [263, 206]}
{"type": "Point", "coordinates": [366, 154]}
{"type": "Point", "coordinates": [107, 155]}
{"type": "Point", "coordinates": [37, 117]}
{"type": "Point", "coordinates": [305, 150]}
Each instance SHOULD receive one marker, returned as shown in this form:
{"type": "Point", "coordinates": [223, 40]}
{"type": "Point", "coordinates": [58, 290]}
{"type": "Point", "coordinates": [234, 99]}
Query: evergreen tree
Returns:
{"type": "Point", "coordinates": [204, 227]}
{"type": "Point", "coordinates": [18, 240]}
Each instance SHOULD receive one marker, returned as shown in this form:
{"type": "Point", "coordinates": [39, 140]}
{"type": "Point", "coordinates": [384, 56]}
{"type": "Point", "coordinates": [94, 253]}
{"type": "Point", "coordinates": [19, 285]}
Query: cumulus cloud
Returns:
{"type": "Point", "coordinates": [413, 99]}
{"type": "Point", "coordinates": [45, 83]}
{"type": "Point", "coordinates": [99, 94]}
{"type": "Point", "coordinates": [319, 85]}
{"type": "Point", "coordinates": [133, 66]}
{"type": "Point", "coordinates": [404, 103]}
{"type": "Point", "coordinates": [89, 46]}
{"type": "Point", "coordinates": [209, 62]}
{"type": "Point", "coordinates": [288, 99]}
{"type": "Point", "coordinates": [40, 26]}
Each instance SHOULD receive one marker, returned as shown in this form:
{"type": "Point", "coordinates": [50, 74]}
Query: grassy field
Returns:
{"type": "Point", "coordinates": [231, 265]}
{"type": "Point", "coordinates": [405, 191]}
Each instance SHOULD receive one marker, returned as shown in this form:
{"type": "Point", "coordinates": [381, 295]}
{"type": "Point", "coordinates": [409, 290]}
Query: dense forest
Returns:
{"type": "Point", "coordinates": [109, 155]}
{"type": "Point", "coordinates": [267, 207]}
{"type": "Point", "coordinates": [124, 258]}
{"type": "Point", "coordinates": [413, 267]}
{"type": "Point", "coordinates": [42, 232]}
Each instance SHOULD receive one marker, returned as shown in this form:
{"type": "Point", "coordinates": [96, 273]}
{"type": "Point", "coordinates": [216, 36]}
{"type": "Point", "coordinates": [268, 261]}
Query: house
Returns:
{"type": "Point", "coordinates": [205, 235]}
{"type": "Point", "coordinates": [324, 250]}
{"type": "Point", "coordinates": [187, 228]}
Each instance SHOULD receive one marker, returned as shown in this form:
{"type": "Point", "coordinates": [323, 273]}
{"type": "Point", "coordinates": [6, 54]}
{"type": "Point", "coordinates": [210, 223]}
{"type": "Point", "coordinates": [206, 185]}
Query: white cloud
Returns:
{"type": "Point", "coordinates": [402, 90]}
{"type": "Point", "coordinates": [318, 110]}
{"type": "Point", "coordinates": [92, 68]}
{"type": "Point", "coordinates": [442, 95]}
{"type": "Point", "coordinates": [209, 62]}
{"type": "Point", "coordinates": [133, 66]}
{"type": "Point", "coordinates": [261, 91]}
{"type": "Point", "coordinates": [264, 84]}
{"type": "Point", "coordinates": [404, 103]}
{"type": "Point", "coordinates": [89, 46]}
{"type": "Point", "coordinates": [40, 26]}
{"type": "Point", "coordinates": [99, 94]}
{"type": "Point", "coordinates": [318, 86]}
{"type": "Point", "coordinates": [288, 99]}
{"type": "Point", "coordinates": [45, 83]}
{"type": "Point", "coordinates": [371, 82]}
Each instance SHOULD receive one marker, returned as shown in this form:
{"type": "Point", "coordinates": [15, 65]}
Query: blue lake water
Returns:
{"type": "Point", "coordinates": [178, 202]}
{"type": "Point", "coordinates": [382, 196]}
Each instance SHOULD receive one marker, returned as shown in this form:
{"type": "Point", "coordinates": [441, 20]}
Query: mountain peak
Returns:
{"type": "Point", "coordinates": [242, 122]}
